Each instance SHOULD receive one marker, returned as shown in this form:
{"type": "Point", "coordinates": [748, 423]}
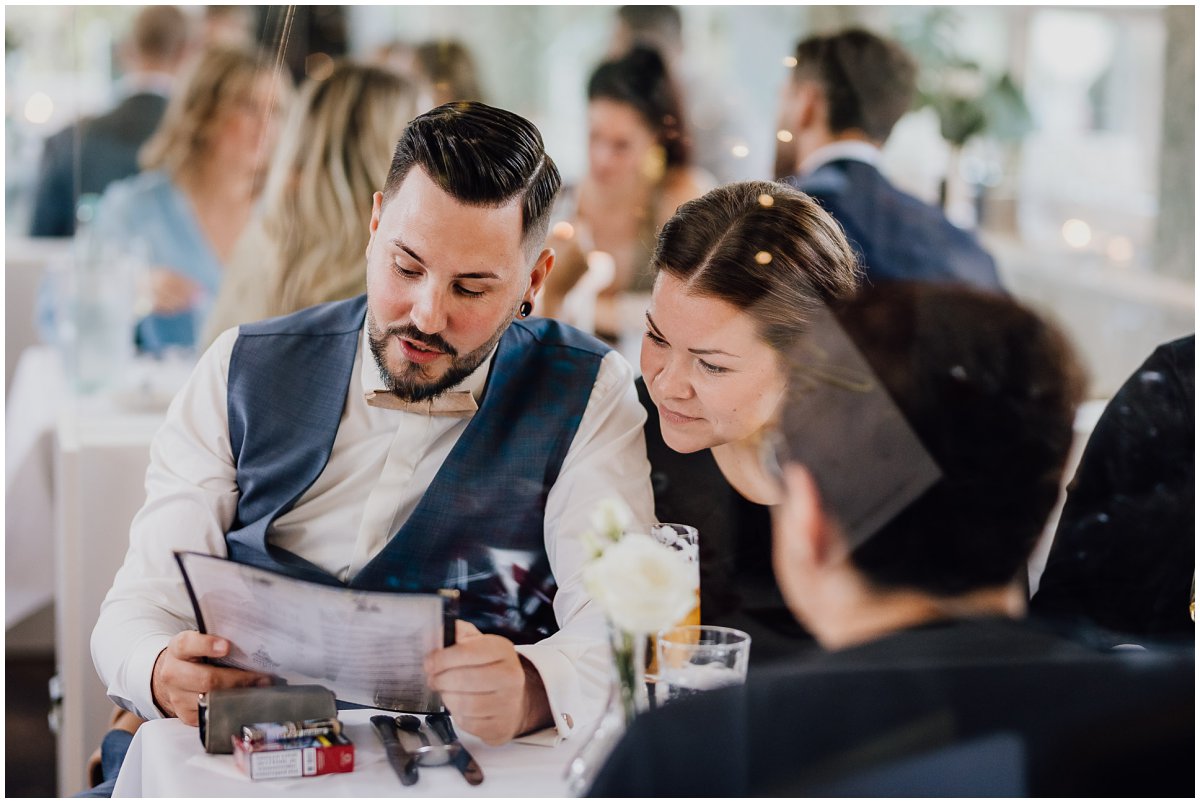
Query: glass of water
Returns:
{"type": "Point", "coordinates": [696, 658]}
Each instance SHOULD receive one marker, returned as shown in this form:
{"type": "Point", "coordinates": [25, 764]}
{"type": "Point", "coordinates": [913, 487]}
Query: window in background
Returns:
{"type": "Point", "coordinates": [1088, 179]}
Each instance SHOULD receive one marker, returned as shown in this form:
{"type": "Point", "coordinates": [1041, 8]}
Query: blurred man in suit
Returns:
{"type": "Point", "coordinates": [847, 92]}
{"type": "Point", "coordinates": [87, 156]}
{"type": "Point", "coordinates": [920, 455]}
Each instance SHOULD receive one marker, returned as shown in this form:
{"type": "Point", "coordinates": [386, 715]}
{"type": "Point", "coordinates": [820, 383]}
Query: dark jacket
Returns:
{"type": "Point", "coordinates": [1124, 553]}
{"type": "Point", "coordinates": [88, 156]}
{"type": "Point", "coordinates": [972, 708]}
{"type": "Point", "coordinates": [897, 236]}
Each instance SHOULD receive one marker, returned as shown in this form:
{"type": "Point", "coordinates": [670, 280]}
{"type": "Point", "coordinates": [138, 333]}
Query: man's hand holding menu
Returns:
{"type": "Point", "coordinates": [492, 691]}
{"type": "Point", "coordinates": [368, 647]}
{"type": "Point", "coordinates": [180, 675]}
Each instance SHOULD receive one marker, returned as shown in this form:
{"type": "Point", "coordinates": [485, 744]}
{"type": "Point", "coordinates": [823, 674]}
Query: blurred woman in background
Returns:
{"type": "Point", "coordinates": [638, 173]}
{"type": "Point", "coordinates": [202, 171]}
{"type": "Point", "coordinates": [306, 246]}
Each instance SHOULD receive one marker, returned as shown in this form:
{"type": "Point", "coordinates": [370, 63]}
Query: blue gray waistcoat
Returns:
{"type": "Point", "coordinates": [479, 526]}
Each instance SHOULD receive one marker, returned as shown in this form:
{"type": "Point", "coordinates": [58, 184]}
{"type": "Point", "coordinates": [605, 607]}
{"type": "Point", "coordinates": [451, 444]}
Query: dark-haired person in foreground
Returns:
{"type": "Point", "coordinates": [920, 451]}
{"type": "Point", "coordinates": [847, 91]}
{"type": "Point", "coordinates": [423, 435]}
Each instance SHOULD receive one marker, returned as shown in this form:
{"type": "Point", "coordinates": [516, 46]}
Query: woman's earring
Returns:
{"type": "Point", "coordinates": [525, 309]}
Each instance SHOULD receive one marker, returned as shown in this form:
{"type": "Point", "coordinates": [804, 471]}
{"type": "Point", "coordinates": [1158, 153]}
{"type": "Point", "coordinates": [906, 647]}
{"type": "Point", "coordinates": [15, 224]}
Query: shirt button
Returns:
{"type": "Point", "coordinates": [570, 723]}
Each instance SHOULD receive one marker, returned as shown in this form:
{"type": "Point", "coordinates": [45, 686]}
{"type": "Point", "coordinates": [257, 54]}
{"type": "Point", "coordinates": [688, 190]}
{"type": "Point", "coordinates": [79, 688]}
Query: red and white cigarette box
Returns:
{"type": "Point", "coordinates": [294, 758]}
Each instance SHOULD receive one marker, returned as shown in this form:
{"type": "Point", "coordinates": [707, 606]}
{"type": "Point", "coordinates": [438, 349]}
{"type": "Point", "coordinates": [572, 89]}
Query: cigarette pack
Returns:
{"type": "Point", "coordinates": [294, 758]}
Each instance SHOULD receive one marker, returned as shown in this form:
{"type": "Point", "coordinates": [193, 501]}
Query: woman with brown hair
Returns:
{"type": "Point", "coordinates": [738, 276]}
{"type": "Point", "coordinates": [201, 175]}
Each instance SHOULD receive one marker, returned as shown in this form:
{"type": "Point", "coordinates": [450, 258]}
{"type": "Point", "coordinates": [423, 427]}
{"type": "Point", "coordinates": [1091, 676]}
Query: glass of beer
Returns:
{"type": "Point", "coordinates": [685, 540]}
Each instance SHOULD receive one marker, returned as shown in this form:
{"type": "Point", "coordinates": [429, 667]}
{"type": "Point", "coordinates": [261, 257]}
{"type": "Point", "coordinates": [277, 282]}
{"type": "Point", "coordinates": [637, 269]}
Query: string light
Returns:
{"type": "Point", "coordinates": [563, 230]}
{"type": "Point", "coordinates": [766, 199]}
{"type": "Point", "coordinates": [1120, 249]}
{"type": "Point", "coordinates": [318, 66]}
{"type": "Point", "coordinates": [39, 108]}
{"type": "Point", "coordinates": [762, 258]}
{"type": "Point", "coordinates": [740, 151]}
{"type": "Point", "coordinates": [1077, 233]}
{"type": "Point", "coordinates": [783, 136]}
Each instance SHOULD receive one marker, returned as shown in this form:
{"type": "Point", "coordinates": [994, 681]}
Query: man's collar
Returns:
{"type": "Point", "coordinates": [145, 82]}
{"type": "Point", "coordinates": [857, 150]}
{"type": "Point", "coordinates": [369, 377]}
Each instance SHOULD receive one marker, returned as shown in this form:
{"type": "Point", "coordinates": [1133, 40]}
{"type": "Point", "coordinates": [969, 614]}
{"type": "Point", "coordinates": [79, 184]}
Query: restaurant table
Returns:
{"type": "Point", "coordinates": [75, 469]}
{"type": "Point", "coordinates": [166, 759]}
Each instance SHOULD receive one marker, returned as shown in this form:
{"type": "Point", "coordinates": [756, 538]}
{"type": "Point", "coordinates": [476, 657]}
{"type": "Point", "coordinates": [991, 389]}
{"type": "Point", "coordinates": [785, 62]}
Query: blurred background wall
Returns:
{"type": "Point", "coordinates": [1081, 171]}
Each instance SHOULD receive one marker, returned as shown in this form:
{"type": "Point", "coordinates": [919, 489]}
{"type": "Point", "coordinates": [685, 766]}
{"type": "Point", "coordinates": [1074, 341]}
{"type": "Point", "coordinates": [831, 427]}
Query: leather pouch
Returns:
{"type": "Point", "coordinates": [223, 712]}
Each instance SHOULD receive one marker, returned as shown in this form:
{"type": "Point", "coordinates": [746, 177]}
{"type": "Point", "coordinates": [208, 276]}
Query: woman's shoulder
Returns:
{"type": "Point", "coordinates": [147, 183]}
{"type": "Point", "coordinates": [147, 191]}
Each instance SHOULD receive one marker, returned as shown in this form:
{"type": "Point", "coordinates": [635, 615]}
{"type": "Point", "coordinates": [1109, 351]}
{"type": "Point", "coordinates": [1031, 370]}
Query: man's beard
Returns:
{"type": "Point", "coordinates": [410, 384]}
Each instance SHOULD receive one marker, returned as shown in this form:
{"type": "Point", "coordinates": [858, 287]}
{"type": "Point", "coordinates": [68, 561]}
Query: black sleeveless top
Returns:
{"type": "Point", "coordinates": [737, 584]}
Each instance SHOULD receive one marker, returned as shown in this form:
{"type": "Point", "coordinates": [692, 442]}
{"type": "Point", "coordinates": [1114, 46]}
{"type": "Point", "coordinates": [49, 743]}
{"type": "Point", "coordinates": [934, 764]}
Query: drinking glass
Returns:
{"type": "Point", "coordinates": [685, 540]}
{"type": "Point", "coordinates": [696, 658]}
{"type": "Point", "coordinates": [94, 314]}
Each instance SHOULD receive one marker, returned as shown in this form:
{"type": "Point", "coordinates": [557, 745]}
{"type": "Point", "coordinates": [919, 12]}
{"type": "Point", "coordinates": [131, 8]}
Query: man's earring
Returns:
{"type": "Point", "coordinates": [525, 309]}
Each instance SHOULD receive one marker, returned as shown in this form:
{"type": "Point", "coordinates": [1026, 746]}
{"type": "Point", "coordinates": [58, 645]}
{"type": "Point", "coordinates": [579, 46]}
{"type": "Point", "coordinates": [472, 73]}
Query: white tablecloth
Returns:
{"type": "Point", "coordinates": [34, 402]}
{"type": "Point", "coordinates": [40, 400]}
{"type": "Point", "coordinates": [167, 760]}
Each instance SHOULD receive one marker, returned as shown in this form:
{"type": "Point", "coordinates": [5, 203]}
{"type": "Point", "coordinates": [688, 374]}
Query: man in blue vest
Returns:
{"type": "Point", "coordinates": [422, 436]}
{"type": "Point", "coordinates": [847, 91]}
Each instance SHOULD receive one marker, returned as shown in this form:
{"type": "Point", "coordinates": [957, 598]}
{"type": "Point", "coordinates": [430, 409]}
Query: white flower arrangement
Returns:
{"type": "Point", "coordinates": [643, 586]}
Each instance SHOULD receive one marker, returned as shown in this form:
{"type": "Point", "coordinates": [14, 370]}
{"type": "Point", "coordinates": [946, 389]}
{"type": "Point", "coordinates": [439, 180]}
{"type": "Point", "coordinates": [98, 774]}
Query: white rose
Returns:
{"type": "Point", "coordinates": [610, 518]}
{"type": "Point", "coordinates": [642, 585]}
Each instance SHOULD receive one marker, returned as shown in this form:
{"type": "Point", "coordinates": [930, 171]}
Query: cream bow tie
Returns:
{"type": "Point", "coordinates": [455, 402]}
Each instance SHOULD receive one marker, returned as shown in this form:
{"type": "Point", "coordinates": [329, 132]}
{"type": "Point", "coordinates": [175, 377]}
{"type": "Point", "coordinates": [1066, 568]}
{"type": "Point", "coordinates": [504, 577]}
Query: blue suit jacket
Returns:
{"type": "Point", "coordinates": [87, 157]}
{"type": "Point", "coordinates": [896, 236]}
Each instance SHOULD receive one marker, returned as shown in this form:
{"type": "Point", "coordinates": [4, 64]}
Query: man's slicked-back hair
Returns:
{"type": "Point", "coordinates": [869, 82]}
{"type": "Point", "coordinates": [481, 156]}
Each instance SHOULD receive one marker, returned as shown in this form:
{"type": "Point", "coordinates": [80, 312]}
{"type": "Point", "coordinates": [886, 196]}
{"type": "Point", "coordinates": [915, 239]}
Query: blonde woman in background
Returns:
{"type": "Point", "coordinates": [306, 246]}
{"type": "Point", "coordinates": [202, 171]}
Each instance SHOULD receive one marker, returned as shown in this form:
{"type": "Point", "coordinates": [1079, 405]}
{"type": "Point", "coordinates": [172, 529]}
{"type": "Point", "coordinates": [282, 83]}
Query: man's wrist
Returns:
{"type": "Point", "coordinates": [537, 704]}
{"type": "Point", "coordinates": [166, 712]}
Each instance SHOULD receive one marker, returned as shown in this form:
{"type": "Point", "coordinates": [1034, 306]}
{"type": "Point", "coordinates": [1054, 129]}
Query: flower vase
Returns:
{"type": "Point", "coordinates": [627, 697]}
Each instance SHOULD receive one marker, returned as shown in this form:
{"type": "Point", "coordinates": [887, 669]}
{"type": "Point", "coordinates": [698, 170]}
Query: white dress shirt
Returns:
{"type": "Point", "coordinates": [380, 465]}
{"type": "Point", "coordinates": [854, 149]}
